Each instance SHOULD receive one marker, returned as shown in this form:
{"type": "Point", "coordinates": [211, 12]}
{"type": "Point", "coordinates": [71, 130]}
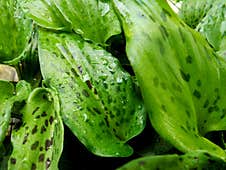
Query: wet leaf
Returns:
{"type": "Point", "coordinates": [99, 101]}
{"type": "Point", "coordinates": [93, 19]}
{"type": "Point", "coordinates": [38, 143]}
{"type": "Point", "coordinates": [6, 91]}
{"type": "Point", "coordinates": [15, 30]}
{"type": "Point", "coordinates": [181, 78]}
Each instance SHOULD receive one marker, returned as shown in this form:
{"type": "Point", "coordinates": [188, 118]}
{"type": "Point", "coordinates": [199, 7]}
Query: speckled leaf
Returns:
{"type": "Point", "coordinates": [6, 91]}
{"type": "Point", "coordinates": [193, 160]}
{"type": "Point", "coordinates": [38, 143]}
{"type": "Point", "coordinates": [213, 25]}
{"type": "Point", "coordinates": [182, 80]}
{"type": "Point", "coordinates": [99, 101]}
{"type": "Point", "coordinates": [15, 30]}
{"type": "Point", "coordinates": [9, 97]}
{"type": "Point", "coordinates": [93, 19]}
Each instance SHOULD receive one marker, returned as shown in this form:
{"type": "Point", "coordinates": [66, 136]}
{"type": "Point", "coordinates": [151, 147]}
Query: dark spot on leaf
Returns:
{"type": "Point", "coordinates": [41, 157]}
{"type": "Point", "coordinates": [46, 123]}
{"type": "Point", "coordinates": [97, 110]}
{"type": "Point", "coordinates": [176, 87]}
{"type": "Point", "coordinates": [48, 143]}
{"type": "Point", "coordinates": [206, 104]}
{"type": "Point", "coordinates": [34, 130]}
{"type": "Point", "coordinates": [222, 116]}
{"type": "Point", "coordinates": [74, 72]}
{"type": "Point", "coordinates": [184, 129]}
{"type": "Point", "coordinates": [80, 69]}
{"type": "Point", "coordinates": [161, 47]}
{"type": "Point", "coordinates": [182, 36]}
{"type": "Point", "coordinates": [25, 138]}
{"type": "Point", "coordinates": [197, 94]}
{"type": "Point", "coordinates": [164, 32]}
{"type": "Point", "coordinates": [107, 122]}
{"type": "Point", "coordinates": [163, 16]}
{"type": "Point", "coordinates": [37, 117]}
{"type": "Point", "coordinates": [151, 18]}
{"type": "Point", "coordinates": [85, 93]}
{"type": "Point", "coordinates": [141, 163]}
{"type": "Point", "coordinates": [185, 77]}
{"type": "Point", "coordinates": [216, 90]}
{"type": "Point", "coordinates": [216, 100]}
{"type": "Point", "coordinates": [163, 85]}
{"type": "Point", "coordinates": [88, 82]}
{"type": "Point", "coordinates": [43, 114]}
{"type": "Point", "coordinates": [95, 91]}
{"type": "Point", "coordinates": [156, 81]}
{"type": "Point", "coordinates": [13, 161]}
{"type": "Point", "coordinates": [34, 145]}
{"type": "Point", "coordinates": [48, 162]}
{"type": "Point", "coordinates": [213, 108]}
{"type": "Point", "coordinates": [199, 83]}
{"type": "Point", "coordinates": [41, 148]}
{"type": "Point", "coordinates": [43, 129]}
{"type": "Point", "coordinates": [51, 120]}
{"type": "Point", "coordinates": [189, 59]}
{"type": "Point", "coordinates": [188, 114]}
{"type": "Point", "coordinates": [34, 111]}
{"type": "Point", "coordinates": [33, 166]}
{"type": "Point", "coordinates": [164, 108]}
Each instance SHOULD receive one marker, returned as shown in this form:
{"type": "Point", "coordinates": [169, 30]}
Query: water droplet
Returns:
{"type": "Point", "coordinates": [85, 117]}
{"type": "Point", "coordinates": [119, 80]}
{"type": "Point", "coordinates": [105, 9]}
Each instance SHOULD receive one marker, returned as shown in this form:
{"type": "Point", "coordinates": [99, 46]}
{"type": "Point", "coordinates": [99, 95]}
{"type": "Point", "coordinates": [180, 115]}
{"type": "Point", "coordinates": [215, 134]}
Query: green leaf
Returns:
{"type": "Point", "coordinates": [6, 91]}
{"type": "Point", "coordinates": [181, 78]}
{"type": "Point", "coordinates": [93, 19]}
{"type": "Point", "coordinates": [213, 25]}
{"type": "Point", "coordinates": [15, 30]}
{"type": "Point", "coordinates": [38, 143]}
{"type": "Point", "coordinates": [193, 11]}
{"type": "Point", "coordinates": [192, 160]}
{"type": "Point", "coordinates": [99, 101]}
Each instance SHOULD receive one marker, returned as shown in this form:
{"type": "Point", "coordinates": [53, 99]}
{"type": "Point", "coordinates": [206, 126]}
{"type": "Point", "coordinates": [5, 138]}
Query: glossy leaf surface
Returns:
{"type": "Point", "coordinates": [100, 103]}
{"type": "Point", "coordinates": [93, 19]}
{"type": "Point", "coordinates": [182, 80]}
{"type": "Point", "coordinates": [37, 143]}
{"type": "Point", "coordinates": [15, 30]}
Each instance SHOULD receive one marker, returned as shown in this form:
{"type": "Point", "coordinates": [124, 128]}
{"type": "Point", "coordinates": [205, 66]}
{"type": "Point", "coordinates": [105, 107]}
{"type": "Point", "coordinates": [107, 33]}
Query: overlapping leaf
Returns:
{"type": "Point", "coordinates": [15, 30]}
{"type": "Point", "coordinates": [99, 101]}
{"type": "Point", "coordinates": [38, 143]}
{"type": "Point", "coordinates": [6, 91]}
{"type": "Point", "coordinates": [181, 78]}
{"type": "Point", "coordinates": [193, 11]}
{"type": "Point", "coordinates": [213, 25]}
{"type": "Point", "coordinates": [93, 19]}
{"type": "Point", "coordinates": [193, 160]}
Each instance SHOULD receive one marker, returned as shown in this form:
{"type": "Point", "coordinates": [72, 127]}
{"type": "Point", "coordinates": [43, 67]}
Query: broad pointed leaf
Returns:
{"type": "Point", "coordinates": [182, 80]}
{"type": "Point", "coordinates": [99, 101]}
{"type": "Point", "coordinates": [38, 143]}
{"type": "Point", "coordinates": [9, 97]}
{"type": "Point", "coordinates": [6, 91]}
{"type": "Point", "coordinates": [193, 160]}
{"type": "Point", "coordinates": [15, 30]}
{"type": "Point", "coordinates": [93, 19]}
